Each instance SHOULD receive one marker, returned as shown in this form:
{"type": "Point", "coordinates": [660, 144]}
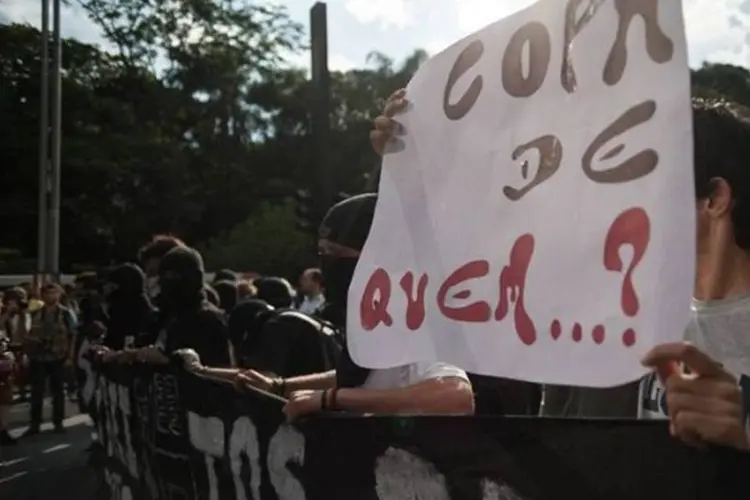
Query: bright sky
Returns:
{"type": "Point", "coordinates": [718, 30]}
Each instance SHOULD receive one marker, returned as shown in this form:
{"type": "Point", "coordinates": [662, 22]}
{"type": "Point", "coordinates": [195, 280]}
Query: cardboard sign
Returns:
{"type": "Point", "coordinates": [537, 219]}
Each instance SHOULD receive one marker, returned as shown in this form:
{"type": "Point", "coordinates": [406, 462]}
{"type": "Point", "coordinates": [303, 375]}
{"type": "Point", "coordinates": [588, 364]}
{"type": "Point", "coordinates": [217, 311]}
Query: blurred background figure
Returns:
{"type": "Point", "coordinates": [276, 291]}
{"type": "Point", "coordinates": [311, 289]}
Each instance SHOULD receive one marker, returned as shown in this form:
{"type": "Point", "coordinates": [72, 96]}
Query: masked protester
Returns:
{"type": "Point", "coordinates": [228, 294]}
{"type": "Point", "coordinates": [192, 322]}
{"type": "Point", "coordinates": [427, 388]}
{"type": "Point", "coordinates": [129, 309]}
{"type": "Point", "coordinates": [276, 291]}
{"type": "Point", "coordinates": [245, 323]}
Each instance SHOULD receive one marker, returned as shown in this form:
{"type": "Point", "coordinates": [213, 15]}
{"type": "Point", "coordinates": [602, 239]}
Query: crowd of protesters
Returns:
{"type": "Point", "coordinates": [262, 335]}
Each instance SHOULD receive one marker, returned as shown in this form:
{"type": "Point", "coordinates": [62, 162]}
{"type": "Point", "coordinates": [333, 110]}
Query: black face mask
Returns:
{"type": "Point", "coordinates": [338, 273]}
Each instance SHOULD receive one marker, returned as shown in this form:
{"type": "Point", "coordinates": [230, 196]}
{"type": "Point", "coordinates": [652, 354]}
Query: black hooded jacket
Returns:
{"type": "Point", "coordinates": [245, 324]}
{"type": "Point", "coordinates": [192, 322]}
{"type": "Point", "coordinates": [129, 310]}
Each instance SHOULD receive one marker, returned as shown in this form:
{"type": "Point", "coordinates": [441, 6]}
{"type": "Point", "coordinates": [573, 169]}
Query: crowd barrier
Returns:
{"type": "Point", "coordinates": [168, 434]}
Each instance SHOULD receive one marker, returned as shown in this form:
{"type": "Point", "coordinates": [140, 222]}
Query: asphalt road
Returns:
{"type": "Point", "coordinates": [48, 465]}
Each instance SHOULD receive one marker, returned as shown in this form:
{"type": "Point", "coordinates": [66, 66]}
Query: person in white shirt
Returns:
{"type": "Point", "coordinates": [311, 287]}
{"type": "Point", "coordinates": [417, 388]}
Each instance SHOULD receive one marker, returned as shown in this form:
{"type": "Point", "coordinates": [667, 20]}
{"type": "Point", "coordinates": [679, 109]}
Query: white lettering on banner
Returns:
{"type": "Point", "coordinates": [533, 225]}
{"type": "Point", "coordinates": [119, 491]}
{"type": "Point", "coordinates": [207, 436]}
{"type": "Point", "coordinates": [494, 491]}
{"type": "Point", "coordinates": [166, 402]}
{"type": "Point", "coordinates": [286, 445]}
{"type": "Point", "coordinates": [130, 458]}
{"type": "Point", "coordinates": [244, 441]}
{"type": "Point", "coordinates": [87, 391]}
{"type": "Point", "coordinates": [402, 475]}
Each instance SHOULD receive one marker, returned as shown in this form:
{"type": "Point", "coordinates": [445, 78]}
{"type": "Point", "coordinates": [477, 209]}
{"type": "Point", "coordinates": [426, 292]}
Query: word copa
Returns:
{"type": "Point", "coordinates": [535, 35]}
{"type": "Point", "coordinates": [512, 283]}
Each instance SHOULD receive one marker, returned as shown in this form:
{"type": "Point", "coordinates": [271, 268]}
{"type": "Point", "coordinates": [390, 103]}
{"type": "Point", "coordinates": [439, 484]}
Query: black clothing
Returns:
{"type": "Point", "coordinates": [212, 295]}
{"type": "Point", "coordinates": [129, 309]}
{"type": "Point", "coordinates": [40, 372]}
{"type": "Point", "coordinates": [225, 275]}
{"type": "Point", "coordinates": [245, 323]}
{"type": "Point", "coordinates": [293, 343]}
{"type": "Point", "coordinates": [191, 321]}
{"type": "Point", "coordinates": [347, 223]}
{"type": "Point", "coordinates": [228, 294]}
{"type": "Point", "coordinates": [205, 331]}
{"type": "Point", "coordinates": [276, 291]}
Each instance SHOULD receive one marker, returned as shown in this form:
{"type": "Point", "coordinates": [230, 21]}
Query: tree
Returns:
{"type": "Point", "coordinates": [722, 80]}
{"type": "Point", "coordinates": [268, 242]}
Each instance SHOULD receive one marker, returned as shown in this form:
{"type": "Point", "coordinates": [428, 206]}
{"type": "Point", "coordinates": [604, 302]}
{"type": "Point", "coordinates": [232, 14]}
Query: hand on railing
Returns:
{"type": "Point", "coordinates": [188, 359]}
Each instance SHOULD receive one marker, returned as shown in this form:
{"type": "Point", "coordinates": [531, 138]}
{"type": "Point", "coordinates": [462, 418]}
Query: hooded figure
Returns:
{"type": "Point", "coordinates": [245, 323]}
{"type": "Point", "coordinates": [129, 309]}
{"type": "Point", "coordinates": [343, 233]}
{"type": "Point", "coordinates": [276, 291]}
{"type": "Point", "coordinates": [192, 322]}
{"type": "Point", "coordinates": [228, 294]}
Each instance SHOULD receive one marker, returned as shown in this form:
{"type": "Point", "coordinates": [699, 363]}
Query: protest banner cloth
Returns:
{"type": "Point", "coordinates": [169, 434]}
{"type": "Point", "coordinates": [536, 220]}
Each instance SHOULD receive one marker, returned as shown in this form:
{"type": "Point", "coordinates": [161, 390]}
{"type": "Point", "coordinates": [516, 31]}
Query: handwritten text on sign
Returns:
{"type": "Point", "coordinates": [537, 221]}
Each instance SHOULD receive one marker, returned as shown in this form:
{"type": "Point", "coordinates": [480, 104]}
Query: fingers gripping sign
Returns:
{"type": "Point", "coordinates": [704, 399]}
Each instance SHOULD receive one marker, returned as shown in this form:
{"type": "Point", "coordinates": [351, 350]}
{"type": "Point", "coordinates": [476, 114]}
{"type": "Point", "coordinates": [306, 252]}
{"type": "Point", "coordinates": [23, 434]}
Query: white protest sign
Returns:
{"type": "Point", "coordinates": [537, 221]}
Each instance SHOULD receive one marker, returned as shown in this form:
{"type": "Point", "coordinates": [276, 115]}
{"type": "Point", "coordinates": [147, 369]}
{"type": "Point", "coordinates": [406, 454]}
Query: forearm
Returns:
{"type": "Point", "coordinates": [314, 382]}
{"type": "Point", "coordinates": [436, 397]}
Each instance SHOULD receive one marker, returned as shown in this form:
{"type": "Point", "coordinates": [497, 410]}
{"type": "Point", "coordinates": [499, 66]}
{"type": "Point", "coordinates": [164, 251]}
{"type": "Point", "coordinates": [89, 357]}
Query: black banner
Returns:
{"type": "Point", "coordinates": [172, 435]}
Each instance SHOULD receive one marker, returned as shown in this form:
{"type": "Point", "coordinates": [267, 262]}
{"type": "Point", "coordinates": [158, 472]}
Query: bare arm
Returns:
{"type": "Point", "coordinates": [315, 382]}
{"type": "Point", "coordinates": [445, 396]}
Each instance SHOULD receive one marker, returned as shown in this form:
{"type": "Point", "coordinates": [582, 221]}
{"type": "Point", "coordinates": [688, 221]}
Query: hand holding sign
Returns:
{"type": "Point", "coordinates": [707, 404]}
{"type": "Point", "coordinates": [538, 222]}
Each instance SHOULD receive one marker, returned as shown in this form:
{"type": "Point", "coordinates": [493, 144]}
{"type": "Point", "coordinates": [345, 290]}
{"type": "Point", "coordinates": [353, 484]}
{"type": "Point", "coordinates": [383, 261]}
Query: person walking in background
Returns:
{"type": "Point", "coordinates": [15, 323]}
{"type": "Point", "coordinates": [311, 288]}
{"type": "Point", "coordinates": [7, 369]}
{"type": "Point", "coordinates": [50, 347]}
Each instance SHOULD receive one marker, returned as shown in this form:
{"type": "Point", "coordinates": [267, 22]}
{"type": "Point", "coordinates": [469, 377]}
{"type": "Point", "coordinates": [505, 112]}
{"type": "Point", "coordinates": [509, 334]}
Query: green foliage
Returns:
{"type": "Point", "coordinates": [268, 241]}
{"type": "Point", "coordinates": [194, 125]}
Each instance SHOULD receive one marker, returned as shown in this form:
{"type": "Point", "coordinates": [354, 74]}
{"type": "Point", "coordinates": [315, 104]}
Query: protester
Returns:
{"type": "Point", "coordinates": [192, 322]}
{"type": "Point", "coordinates": [225, 275]}
{"type": "Point", "coordinates": [129, 309]}
{"type": "Point", "coordinates": [276, 291]}
{"type": "Point", "coordinates": [245, 323]}
{"type": "Point", "coordinates": [415, 388]}
{"type": "Point", "coordinates": [150, 255]}
{"type": "Point", "coordinates": [7, 369]}
{"type": "Point", "coordinates": [50, 345]}
{"type": "Point", "coordinates": [245, 290]}
{"type": "Point", "coordinates": [15, 323]}
{"type": "Point", "coordinates": [311, 288]}
{"type": "Point", "coordinates": [228, 294]}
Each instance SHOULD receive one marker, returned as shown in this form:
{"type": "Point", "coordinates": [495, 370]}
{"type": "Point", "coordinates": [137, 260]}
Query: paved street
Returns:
{"type": "Point", "coordinates": [48, 465]}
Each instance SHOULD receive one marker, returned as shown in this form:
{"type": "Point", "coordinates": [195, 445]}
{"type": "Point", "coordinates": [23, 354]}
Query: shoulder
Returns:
{"type": "Point", "coordinates": [210, 314]}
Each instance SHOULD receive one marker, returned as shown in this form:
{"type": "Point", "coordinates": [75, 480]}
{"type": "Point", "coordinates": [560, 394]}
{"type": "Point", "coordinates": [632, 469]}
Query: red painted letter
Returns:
{"type": "Point", "coordinates": [414, 306]}
{"type": "Point", "coordinates": [373, 309]}
{"type": "Point", "coordinates": [476, 312]}
{"type": "Point", "coordinates": [513, 282]}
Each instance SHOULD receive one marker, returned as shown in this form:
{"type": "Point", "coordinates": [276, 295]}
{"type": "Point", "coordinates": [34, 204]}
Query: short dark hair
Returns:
{"type": "Point", "coordinates": [159, 245]}
{"type": "Point", "coordinates": [721, 131]}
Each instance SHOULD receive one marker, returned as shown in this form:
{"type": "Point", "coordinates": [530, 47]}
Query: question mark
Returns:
{"type": "Point", "coordinates": [631, 227]}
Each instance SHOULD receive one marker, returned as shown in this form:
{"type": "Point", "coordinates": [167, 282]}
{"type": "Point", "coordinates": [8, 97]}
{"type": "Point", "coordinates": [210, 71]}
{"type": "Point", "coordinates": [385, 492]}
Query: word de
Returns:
{"type": "Point", "coordinates": [535, 37]}
{"type": "Point", "coordinates": [511, 286]}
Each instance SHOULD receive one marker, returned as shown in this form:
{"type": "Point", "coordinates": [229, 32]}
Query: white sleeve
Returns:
{"type": "Point", "coordinates": [419, 372]}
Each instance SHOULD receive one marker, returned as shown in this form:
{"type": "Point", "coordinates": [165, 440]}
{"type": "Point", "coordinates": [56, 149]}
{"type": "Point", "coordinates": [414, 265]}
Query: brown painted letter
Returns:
{"type": "Point", "coordinates": [536, 35]}
{"type": "Point", "coordinates": [634, 167]}
{"type": "Point", "coordinates": [659, 46]}
{"type": "Point", "coordinates": [573, 26]}
{"type": "Point", "coordinates": [466, 60]}
{"type": "Point", "coordinates": [372, 310]}
{"type": "Point", "coordinates": [550, 156]}
{"type": "Point", "coordinates": [414, 306]}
